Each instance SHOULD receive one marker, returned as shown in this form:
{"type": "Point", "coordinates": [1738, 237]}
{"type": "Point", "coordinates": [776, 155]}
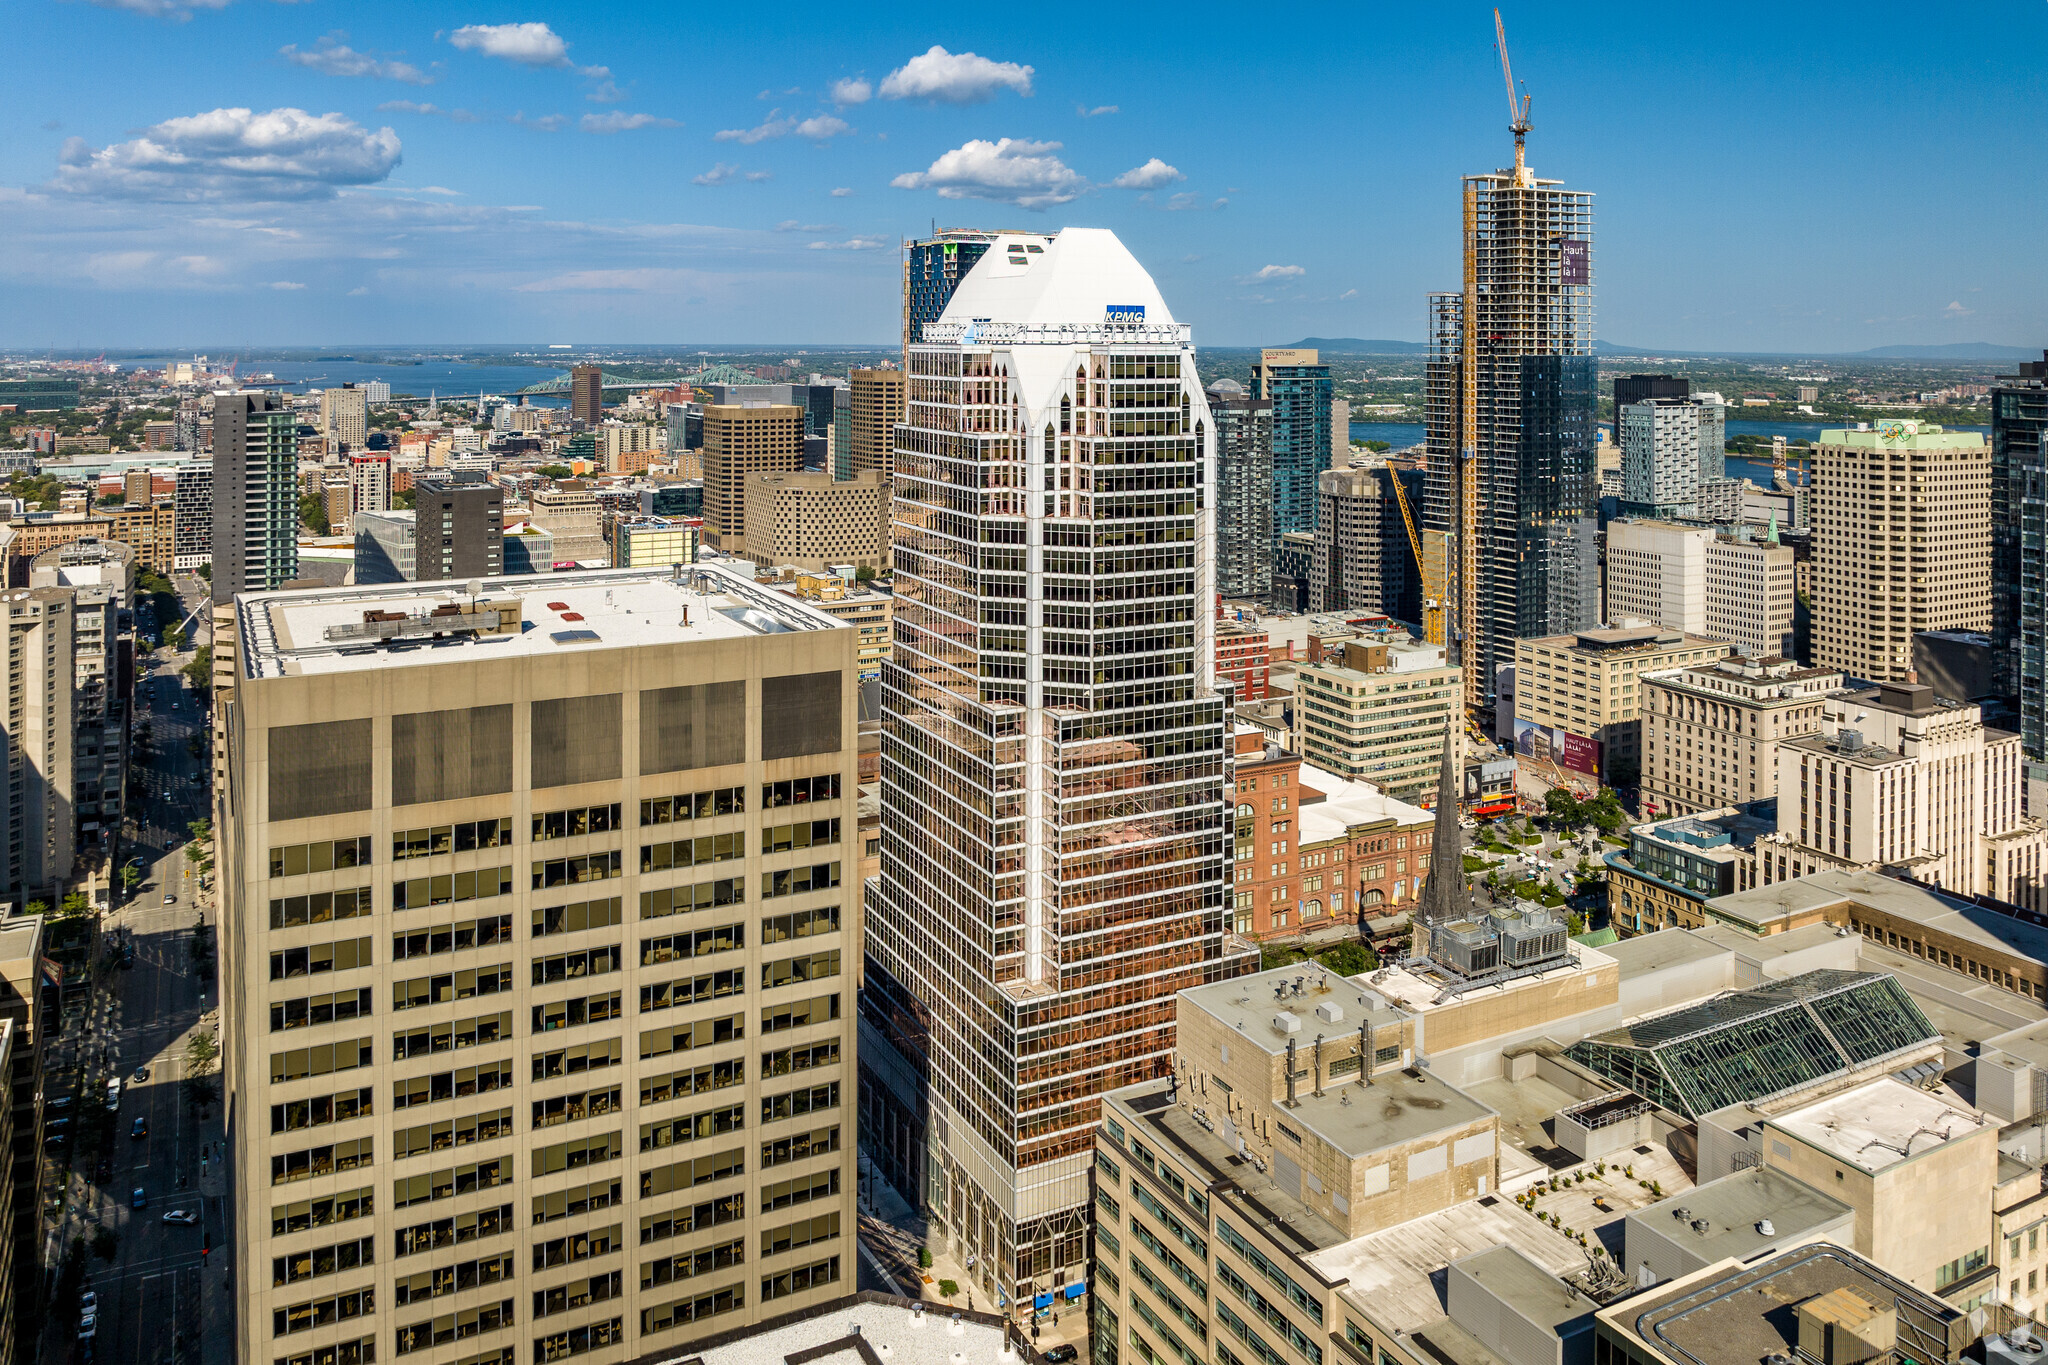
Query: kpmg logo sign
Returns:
{"type": "Point", "coordinates": [1123, 312]}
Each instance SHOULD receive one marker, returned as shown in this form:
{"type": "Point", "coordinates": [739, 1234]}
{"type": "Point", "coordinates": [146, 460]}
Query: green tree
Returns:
{"type": "Point", "coordinates": [73, 905]}
{"type": "Point", "coordinates": [38, 907]}
{"type": "Point", "coordinates": [313, 512]}
{"type": "Point", "coordinates": [554, 471]}
{"type": "Point", "coordinates": [405, 498]}
{"type": "Point", "coordinates": [1379, 447]}
{"type": "Point", "coordinates": [1348, 958]}
{"type": "Point", "coordinates": [112, 499]}
{"type": "Point", "coordinates": [199, 672]}
{"type": "Point", "coordinates": [205, 571]}
{"type": "Point", "coordinates": [131, 873]}
{"type": "Point", "coordinates": [864, 574]}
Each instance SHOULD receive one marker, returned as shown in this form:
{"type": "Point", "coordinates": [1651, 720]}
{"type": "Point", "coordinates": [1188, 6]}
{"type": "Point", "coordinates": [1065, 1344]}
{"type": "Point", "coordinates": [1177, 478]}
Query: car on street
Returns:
{"type": "Point", "coordinates": [184, 1218]}
{"type": "Point", "coordinates": [141, 1074]}
{"type": "Point", "coordinates": [170, 898]}
{"type": "Point", "coordinates": [140, 1128]}
{"type": "Point", "coordinates": [89, 1302]}
{"type": "Point", "coordinates": [59, 1104]}
{"type": "Point", "coordinates": [56, 1141]}
{"type": "Point", "coordinates": [139, 1198]}
{"type": "Point", "coordinates": [88, 1327]}
{"type": "Point", "coordinates": [114, 1093]}
{"type": "Point", "coordinates": [1061, 1354]}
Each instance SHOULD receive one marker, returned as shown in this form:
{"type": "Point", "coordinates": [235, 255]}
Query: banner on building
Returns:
{"type": "Point", "coordinates": [1574, 261]}
{"type": "Point", "coordinates": [1546, 744]}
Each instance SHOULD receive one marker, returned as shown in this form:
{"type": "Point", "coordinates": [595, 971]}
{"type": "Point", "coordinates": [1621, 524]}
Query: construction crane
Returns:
{"type": "Point", "coordinates": [1432, 601]}
{"type": "Point", "coordinates": [1518, 110]}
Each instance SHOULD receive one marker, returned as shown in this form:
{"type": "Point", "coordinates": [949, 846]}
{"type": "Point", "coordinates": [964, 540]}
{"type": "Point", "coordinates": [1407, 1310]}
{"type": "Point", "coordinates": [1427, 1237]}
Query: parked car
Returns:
{"type": "Point", "coordinates": [1060, 1355]}
{"type": "Point", "coordinates": [59, 1104]}
{"type": "Point", "coordinates": [89, 1302]}
{"type": "Point", "coordinates": [139, 1199]}
{"type": "Point", "coordinates": [141, 1128]}
{"type": "Point", "coordinates": [184, 1218]}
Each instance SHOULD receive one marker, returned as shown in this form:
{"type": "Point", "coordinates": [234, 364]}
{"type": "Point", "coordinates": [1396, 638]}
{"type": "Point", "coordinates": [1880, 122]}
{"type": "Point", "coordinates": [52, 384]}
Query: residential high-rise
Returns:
{"type": "Point", "coordinates": [1340, 432]}
{"type": "Point", "coordinates": [537, 962]}
{"type": "Point", "coordinates": [1711, 730]}
{"type": "Point", "coordinates": [1670, 449]}
{"type": "Point", "coordinates": [586, 394]}
{"type": "Point", "coordinates": [934, 266]}
{"type": "Point", "coordinates": [369, 478]}
{"type": "Point", "coordinates": [345, 417]}
{"type": "Point", "coordinates": [41, 743]}
{"type": "Point", "coordinates": [842, 432]}
{"type": "Point", "coordinates": [740, 442]}
{"type": "Point", "coordinates": [255, 493]}
{"type": "Point", "coordinates": [454, 530]}
{"type": "Point", "coordinates": [2019, 544]}
{"type": "Point", "coordinates": [1900, 513]}
{"type": "Point", "coordinates": [1298, 387]}
{"type": "Point", "coordinates": [876, 401]}
{"type": "Point", "coordinates": [376, 392]}
{"type": "Point", "coordinates": [1244, 492]}
{"type": "Point", "coordinates": [1363, 560]}
{"type": "Point", "coordinates": [1511, 400]}
{"type": "Point", "coordinates": [1054, 761]}
{"type": "Point", "coordinates": [100, 575]}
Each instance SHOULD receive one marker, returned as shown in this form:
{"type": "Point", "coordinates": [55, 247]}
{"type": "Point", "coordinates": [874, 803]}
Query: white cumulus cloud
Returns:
{"type": "Point", "coordinates": [417, 107]}
{"type": "Point", "coordinates": [852, 244]}
{"type": "Point", "coordinates": [843, 192]}
{"type": "Point", "coordinates": [818, 128]}
{"type": "Point", "coordinates": [1011, 171]}
{"type": "Point", "coordinates": [335, 58]}
{"type": "Point", "coordinates": [230, 154]}
{"type": "Point", "coordinates": [1085, 112]}
{"type": "Point", "coordinates": [286, 284]}
{"type": "Point", "coordinates": [717, 175]}
{"type": "Point", "coordinates": [954, 78]}
{"type": "Point", "coordinates": [180, 10]}
{"type": "Point", "coordinates": [618, 121]}
{"type": "Point", "coordinates": [1279, 272]}
{"type": "Point", "coordinates": [850, 90]}
{"type": "Point", "coordinates": [1149, 176]}
{"type": "Point", "coordinates": [526, 44]}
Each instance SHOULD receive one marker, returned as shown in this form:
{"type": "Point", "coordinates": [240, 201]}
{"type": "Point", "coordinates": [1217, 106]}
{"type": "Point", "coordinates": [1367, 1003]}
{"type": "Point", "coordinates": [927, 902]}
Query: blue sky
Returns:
{"type": "Point", "coordinates": [201, 173]}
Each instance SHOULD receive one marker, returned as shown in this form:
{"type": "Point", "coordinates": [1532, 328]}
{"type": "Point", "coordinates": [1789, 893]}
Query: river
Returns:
{"type": "Point", "coordinates": [433, 376]}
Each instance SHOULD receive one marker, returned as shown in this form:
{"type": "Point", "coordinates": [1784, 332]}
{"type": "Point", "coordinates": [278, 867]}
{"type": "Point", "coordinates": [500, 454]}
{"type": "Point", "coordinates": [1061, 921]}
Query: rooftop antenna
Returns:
{"type": "Point", "coordinates": [1518, 110]}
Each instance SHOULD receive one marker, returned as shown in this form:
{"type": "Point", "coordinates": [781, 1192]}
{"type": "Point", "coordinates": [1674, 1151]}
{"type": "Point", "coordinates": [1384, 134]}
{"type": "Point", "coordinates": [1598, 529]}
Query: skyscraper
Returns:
{"type": "Point", "coordinates": [536, 958]}
{"type": "Point", "coordinates": [1511, 402]}
{"type": "Point", "coordinates": [1363, 560]}
{"type": "Point", "coordinates": [1886, 568]}
{"type": "Point", "coordinates": [876, 401]}
{"type": "Point", "coordinates": [934, 266]}
{"type": "Point", "coordinates": [1297, 384]}
{"type": "Point", "coordinates": [1244, 491]}
{"type": "Point", "coordinates": [586, 394]}
{"type": "Point", "coordinates": [345, 416]}
{"type": "Point", "coordinates": [255, 493]}
{"type": "Point", "coordinates": [1054, 761]}
{"type": "Point", "coordinates": [739, 442]}
{"type": "Point", "coordinates": [192, 517]}
{"type": "Point", "coordinates": [2019, 544]}
{"type": "Point", "coordinates": [1637, 388]}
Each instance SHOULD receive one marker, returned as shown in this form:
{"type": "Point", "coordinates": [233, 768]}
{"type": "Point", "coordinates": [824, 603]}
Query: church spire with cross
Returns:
{"type": "Point", "coordinates": [1446, 896]}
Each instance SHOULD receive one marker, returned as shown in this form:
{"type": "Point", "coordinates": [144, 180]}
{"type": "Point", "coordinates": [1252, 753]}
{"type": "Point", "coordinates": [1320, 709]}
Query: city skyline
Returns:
{"type": "Point", "coordinates": [443, 173]}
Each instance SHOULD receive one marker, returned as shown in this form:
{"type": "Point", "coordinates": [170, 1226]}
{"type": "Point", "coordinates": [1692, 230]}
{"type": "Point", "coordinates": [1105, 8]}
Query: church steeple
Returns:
{"type": "Point", "coordinates": [1446, 896]}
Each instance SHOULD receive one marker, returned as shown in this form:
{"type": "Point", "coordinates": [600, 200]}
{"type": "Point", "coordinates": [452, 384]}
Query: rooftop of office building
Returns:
{"type": "Point", "coordinates": [1316, 999]}
{"type": "Point", "coordinates": [292, 632]}
{"type": "Point", "coordinates": [1741, 1214]}
{"type": "Point", "coordinates": [1418, 990]}
{"type": "Point", "coordinates": [1900, 434]}
{"type": "Point", "coordinates": [1883, 1124]}
{"type": "Point", "coordinates": [1763, 906]}
{"type": "Point", "coordinates": [1331, 805]}
{"type": "Point", "coordinates": [1739, 1315]}
{"type": "Point", "coordinates": [861, 1329]}
{"type": "Point", "coordinates": [1073, 278]}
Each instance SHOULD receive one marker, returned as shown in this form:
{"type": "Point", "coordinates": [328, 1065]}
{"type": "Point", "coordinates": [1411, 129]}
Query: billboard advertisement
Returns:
{"type": "Point", "coordinates": [1574, 263]}
{"type": "Point", "coordinates": [1546, 744]}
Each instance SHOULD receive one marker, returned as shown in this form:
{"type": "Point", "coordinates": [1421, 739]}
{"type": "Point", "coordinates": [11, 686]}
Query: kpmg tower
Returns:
{"type": "Point", "coordinates": [1054, 770]}
{"type": "Point", "coordinates": [1511, 401]}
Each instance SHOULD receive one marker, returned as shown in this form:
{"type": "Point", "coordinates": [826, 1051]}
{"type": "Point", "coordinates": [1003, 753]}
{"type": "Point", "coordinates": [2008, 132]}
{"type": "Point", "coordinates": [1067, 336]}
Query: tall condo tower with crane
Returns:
{"type": "Point", "coordinates": [1511, 404]}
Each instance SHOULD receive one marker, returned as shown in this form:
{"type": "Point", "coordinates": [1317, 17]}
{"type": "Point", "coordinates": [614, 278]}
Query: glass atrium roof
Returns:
{"type": "Point", "coordinates": [1750, 1044]}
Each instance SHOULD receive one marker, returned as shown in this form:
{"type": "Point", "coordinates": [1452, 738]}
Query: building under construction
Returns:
{"type": "Point", "coordinates": [1511, 403]}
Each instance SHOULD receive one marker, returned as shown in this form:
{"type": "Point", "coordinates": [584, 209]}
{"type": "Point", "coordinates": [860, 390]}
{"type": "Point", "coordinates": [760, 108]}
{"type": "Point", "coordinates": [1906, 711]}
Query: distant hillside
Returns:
{"type": "Point", "coordinates": [1355, 346]}
{"type": "Point", "coordinates": [1956, 350]}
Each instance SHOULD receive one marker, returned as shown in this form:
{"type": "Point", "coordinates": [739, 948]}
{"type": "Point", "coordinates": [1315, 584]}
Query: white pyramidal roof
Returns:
{"type": "Point", "coordinates": [1073, 277]}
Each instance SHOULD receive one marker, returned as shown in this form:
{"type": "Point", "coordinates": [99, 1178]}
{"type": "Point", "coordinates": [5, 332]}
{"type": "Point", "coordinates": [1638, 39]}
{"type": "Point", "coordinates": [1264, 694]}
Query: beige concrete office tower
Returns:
{"type": "Point", "coordinates": [569, 513]}
{"type": "Point", "coordinates": [1578, 698]}
{"type": "Point", "coordinates": [1376, 711]}
{"type": "Point", "coordinates": [586, 395]}
{"type": "Point", "coordinates": [539, 942]}
{"type": "Point", "coordinates": [1901, 545]}
{"type": "Point", "coordinates": [813, 521]}
{"type": "Point", "coordinates": [741, 441]}
{"type": "Point", "coordinates": [1703, 582]}
{"type": "Point", "coordinates": [1711, 731]}
{"type": "Point", "coordinates": [345, 416]}
{"type": "Point", "coordinates": [877, 405]}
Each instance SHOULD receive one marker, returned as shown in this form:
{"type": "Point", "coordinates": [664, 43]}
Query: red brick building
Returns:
{"type": "Point", "coordinates": [1243, 658]}
{"type": "Point", "coordinates": [1311, 847]}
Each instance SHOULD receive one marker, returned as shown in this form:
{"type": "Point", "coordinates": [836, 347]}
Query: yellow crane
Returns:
{"type": "Point", "coordinates": [1432, 599]}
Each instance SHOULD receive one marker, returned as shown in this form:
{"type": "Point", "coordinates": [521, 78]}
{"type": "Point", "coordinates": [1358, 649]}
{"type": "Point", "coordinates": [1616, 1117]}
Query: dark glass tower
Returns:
{"type": "Point", "coordinates": [1298, 387]}
{"type": "Point", "coordinates": [2019, 542]}
{"type": "Point", "coordinates": [1244, 491]}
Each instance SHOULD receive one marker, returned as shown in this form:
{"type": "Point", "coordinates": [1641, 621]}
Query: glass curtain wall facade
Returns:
{"type": "Point", "coordinates": [2019, 542]}
{"type": "Point", "coordinates": [1510, 404]}
{"type": "Point", "coordinates": [1054, 768]}
{"type": "Point", "coordinates": [1244, 494]}
{"type": "Point", "coordinates": [1300, 395]}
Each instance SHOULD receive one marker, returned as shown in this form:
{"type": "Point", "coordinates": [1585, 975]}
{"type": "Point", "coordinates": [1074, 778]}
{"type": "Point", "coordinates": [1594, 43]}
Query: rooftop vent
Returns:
{"type": "Point", "coordinates": [1329, 1011]}
{"type": "Point", "coordinates": [1849, 741]}
{"type": "Point", "coordinates": [1286, 1023]}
